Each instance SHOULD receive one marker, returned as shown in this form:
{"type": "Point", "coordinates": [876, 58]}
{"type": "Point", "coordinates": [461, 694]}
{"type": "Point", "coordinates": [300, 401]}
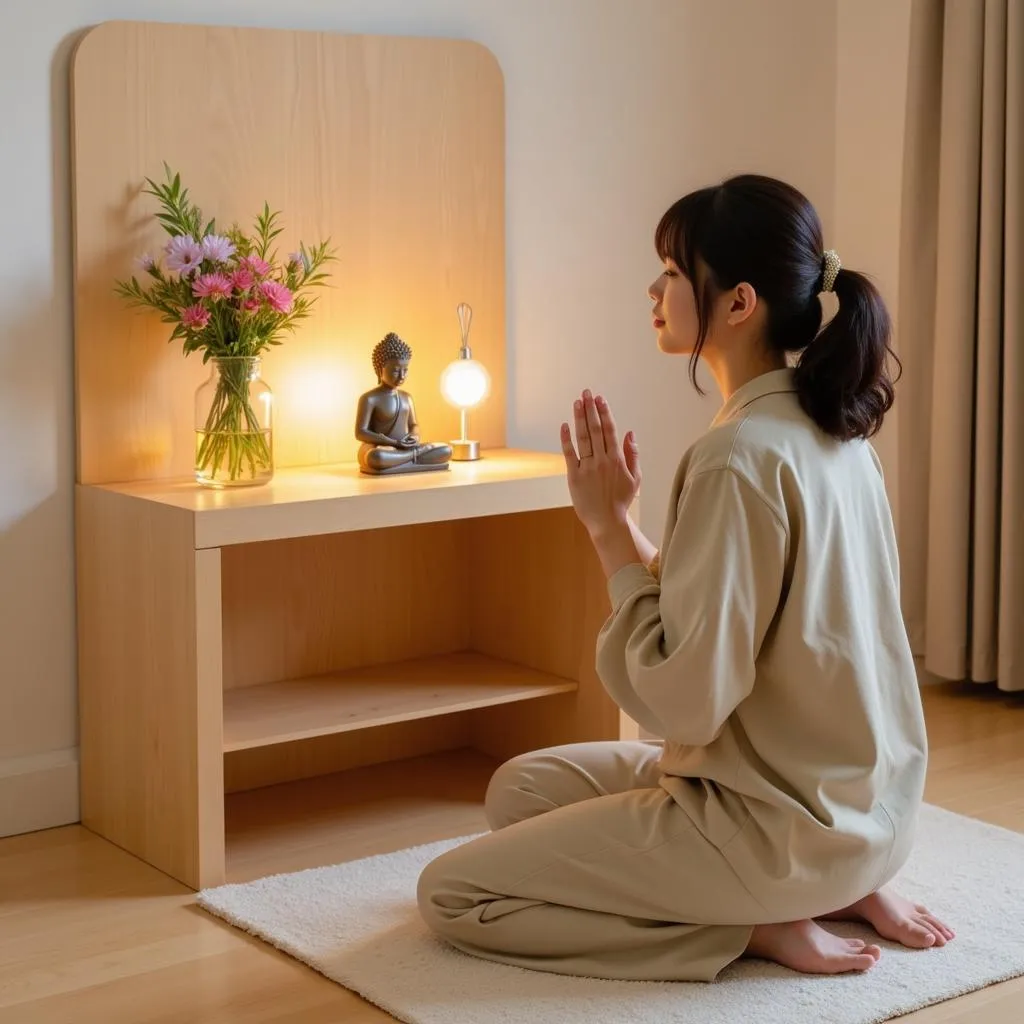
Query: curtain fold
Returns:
{"type": "Point", "coordinates": [961, 339]}
{"type": "Point", "coordinates": [1011, 605]}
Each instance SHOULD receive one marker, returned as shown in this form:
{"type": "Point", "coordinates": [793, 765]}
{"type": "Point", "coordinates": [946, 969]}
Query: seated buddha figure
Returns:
{"type": "Point", "coordinates": [386, 419]}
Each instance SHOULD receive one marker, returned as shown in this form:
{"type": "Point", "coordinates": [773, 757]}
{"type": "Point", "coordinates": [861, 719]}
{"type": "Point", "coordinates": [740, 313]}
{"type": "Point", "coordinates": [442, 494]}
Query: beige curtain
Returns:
{"type": "Point", "coordinates": [961, 339]}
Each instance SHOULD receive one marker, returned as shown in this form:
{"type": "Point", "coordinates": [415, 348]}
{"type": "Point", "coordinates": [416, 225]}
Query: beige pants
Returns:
{"type": "Point", "coordinates": [592, 869]}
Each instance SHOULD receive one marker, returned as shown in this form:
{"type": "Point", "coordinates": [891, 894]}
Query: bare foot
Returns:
{"type": "Point", "coordinates": [896, 918]}
{"type": "Point", "coordinates": [805, 946]}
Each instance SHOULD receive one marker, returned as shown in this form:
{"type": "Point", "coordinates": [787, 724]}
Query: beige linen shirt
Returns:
{"type": "Point", "coordinates": [767, 648]}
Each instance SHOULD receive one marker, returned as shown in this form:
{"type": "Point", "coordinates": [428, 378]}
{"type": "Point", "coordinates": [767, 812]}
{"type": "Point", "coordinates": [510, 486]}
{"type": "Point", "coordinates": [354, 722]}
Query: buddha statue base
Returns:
{"type": "Point", "coordinates": [406, 467]}
{"type": "Point", "coordinates": [383, 460]}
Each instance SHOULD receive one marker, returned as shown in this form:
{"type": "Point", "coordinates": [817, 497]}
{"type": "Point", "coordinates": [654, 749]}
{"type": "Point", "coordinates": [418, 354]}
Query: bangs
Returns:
{"type": "Point", "coordinates": [670, 238]}
{"type": "Point", "coordinates": [682, 236]}
{"type": "Point", "coordinates": [679, 234]}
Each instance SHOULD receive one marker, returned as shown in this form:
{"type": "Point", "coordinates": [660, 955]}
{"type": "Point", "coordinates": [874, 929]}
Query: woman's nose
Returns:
{"type": "Point", "coordinates": [654, 291]}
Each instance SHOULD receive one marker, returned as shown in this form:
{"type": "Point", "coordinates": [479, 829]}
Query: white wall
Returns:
{"type": "Point", "coordinates": [614, 108]}
{"type": "Point", "coordinates": [873, 41]}
{"type": "Point", "coordinates": [671, 97]}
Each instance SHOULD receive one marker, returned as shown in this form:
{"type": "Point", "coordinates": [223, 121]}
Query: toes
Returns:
{"type": "Point", "coordinates": [860, 946]}
{"type": "Point", "coordinates": [850, 959]}
{"type": "Point", "coordinates": [944, 930]}
{"type": "Point", "coordinates": [941, 932]}
{"type": "Point", "coordinates": [807, 947]}
{"type": "Point", "coordinates": [861, 962]}
{"type": "Point", "coordinates": [923, 916]}
{"type": "Point", "coordinates": [857, 947]}
{"type": "Point", "coordinates": [918, 935]}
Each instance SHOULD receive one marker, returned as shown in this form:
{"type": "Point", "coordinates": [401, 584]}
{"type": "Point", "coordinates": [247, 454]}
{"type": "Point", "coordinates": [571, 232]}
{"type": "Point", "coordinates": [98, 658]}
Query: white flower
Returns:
{"type": "Point", "coordinates": [217, 248]}
{"type": "Point", "coordinates": [184, 254]}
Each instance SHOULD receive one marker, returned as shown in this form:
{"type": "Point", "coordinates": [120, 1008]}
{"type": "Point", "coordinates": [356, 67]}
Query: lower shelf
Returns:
{"type": "Point", "coordinates": [259, 716]}
{"type": "Point", "coordinates": [353, 814]}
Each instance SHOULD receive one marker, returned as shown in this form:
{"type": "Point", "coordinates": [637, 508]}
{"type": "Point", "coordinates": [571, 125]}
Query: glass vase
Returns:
{"type": "Point", "coordinates": [234, 428]}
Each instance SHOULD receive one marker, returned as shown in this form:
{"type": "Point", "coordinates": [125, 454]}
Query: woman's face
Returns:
{"type": "Point", "coordinates": [675, 311]}
{"type": "Point", "coordinates": [731, 319]}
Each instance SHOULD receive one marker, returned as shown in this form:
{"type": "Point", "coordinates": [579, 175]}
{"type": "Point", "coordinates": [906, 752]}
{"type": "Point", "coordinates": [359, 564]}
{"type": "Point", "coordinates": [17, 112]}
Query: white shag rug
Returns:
{"type": "Point", "coordinates": [357, 923]}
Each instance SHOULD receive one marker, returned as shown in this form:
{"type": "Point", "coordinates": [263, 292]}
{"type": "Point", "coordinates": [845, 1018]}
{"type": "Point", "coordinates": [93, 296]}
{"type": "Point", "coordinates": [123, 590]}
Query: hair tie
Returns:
{"type": "Point", "coordinates": [830, 271]}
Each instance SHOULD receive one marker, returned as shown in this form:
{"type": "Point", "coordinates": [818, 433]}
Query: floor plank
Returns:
{"type": "Point", "coordinates": [90, 935]}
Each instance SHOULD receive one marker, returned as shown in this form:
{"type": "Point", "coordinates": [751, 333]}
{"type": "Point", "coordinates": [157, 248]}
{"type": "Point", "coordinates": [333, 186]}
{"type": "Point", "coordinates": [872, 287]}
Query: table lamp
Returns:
{"type": "Point", "coordinates": [465, 383]}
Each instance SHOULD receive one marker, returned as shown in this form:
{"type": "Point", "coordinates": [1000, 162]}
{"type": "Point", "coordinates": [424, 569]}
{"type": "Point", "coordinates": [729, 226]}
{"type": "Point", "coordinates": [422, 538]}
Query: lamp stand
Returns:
{"type": "Point", "coordinates": [465, 450]}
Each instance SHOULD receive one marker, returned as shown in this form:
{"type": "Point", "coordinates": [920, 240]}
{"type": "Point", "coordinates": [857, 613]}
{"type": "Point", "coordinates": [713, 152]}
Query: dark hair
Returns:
{"type": "Point", "coordinates": [764, 232]}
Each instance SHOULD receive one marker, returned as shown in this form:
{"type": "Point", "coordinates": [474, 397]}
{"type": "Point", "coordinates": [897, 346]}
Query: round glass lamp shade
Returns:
{"type": "Point", "coordinates": [465, 383]}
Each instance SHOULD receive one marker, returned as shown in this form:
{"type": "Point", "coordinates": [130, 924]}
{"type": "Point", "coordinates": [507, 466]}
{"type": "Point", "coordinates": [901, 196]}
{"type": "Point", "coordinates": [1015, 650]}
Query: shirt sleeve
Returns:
{"type": "Point", "coordinates": [678, 652]}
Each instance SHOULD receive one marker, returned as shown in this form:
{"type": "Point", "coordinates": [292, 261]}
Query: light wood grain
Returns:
{"type": "Point", "coordinates": [336, 499]}
{"type": "Point", "coordinates": [259, 767]}
{"type": "Point", "coordinates": [311, 606]}
{"type": "Point", "coordinates": [315, 605]}
{"type": "Point", "coordinates": [209, 721]}
{"type": "Point", "coordinates": [392, 147]}
{"type": "Point", "coordinates": [539, 597]}
{"type": "Point", "coordinates": [149, 685]}
{"type": "Point", "coordinates": [91, 935]}
{"type": "Point", "coordinates": [298, 825]}
{"type": "Point", "coordinates": [258, 716]}
{"type": "Point", "coordinates": [522, 587]}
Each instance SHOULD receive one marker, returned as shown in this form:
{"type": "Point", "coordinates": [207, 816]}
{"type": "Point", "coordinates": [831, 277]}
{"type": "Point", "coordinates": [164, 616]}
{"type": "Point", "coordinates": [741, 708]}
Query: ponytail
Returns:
{"type": "Point", "coordinates": [842, 377]}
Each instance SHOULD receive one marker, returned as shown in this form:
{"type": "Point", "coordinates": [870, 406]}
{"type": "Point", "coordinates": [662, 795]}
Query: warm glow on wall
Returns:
{"type": "Point", "coordinates": [316, 389]}
{"type": "Point", "coordinates": [315, 393]}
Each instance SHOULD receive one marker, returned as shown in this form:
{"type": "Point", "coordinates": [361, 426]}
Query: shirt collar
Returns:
{"type": "Point", "coordinates": [775, 382]}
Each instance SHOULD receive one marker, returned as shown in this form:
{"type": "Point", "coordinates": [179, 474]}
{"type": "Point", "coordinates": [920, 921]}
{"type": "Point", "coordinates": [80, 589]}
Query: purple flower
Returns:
{"type": "Point", "coordinates": [217, 248]}
{"type": "Point", "coordinates": [296, 259]}
{"type": "Point", "coordinates": [184, 254]}
{"type": "Point", "coordinates": [146, 262]}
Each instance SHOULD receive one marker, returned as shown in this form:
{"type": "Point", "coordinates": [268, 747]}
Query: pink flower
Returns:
{"type": "Point", "coordinates": [195, 318]}
{"type": "Point", "coordinates": [184, 254]}
{"type": "Point", "coordinates": [259, 267]}
{"type": "Point", "coordinates": [146, 262]}
{"type": "Point", "coordinates": [243, 279]}
{"type": "Point", "coordinates": [218, 248]}
{"type": "Point", "coordinates": [277, 295]}
{"type": "Point", "coordinates": [251, 305]}
{"type": "Point", "coordinates": [212, 286]}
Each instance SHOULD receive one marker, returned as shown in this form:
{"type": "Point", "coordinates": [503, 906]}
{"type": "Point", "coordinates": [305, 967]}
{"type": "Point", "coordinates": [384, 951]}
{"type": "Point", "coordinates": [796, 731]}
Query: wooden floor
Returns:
{"type": "Point", "coordinates": [90, 934]}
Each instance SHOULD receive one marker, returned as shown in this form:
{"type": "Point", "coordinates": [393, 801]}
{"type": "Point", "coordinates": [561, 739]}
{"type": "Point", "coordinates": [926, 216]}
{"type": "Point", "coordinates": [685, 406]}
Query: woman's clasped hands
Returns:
{"type": "Point", "coordinates": [604, 476]}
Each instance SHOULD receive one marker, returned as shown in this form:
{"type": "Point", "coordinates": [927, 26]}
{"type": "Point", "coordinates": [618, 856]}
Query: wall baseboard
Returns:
{"type": "Point", "coordinates": [39, 792]}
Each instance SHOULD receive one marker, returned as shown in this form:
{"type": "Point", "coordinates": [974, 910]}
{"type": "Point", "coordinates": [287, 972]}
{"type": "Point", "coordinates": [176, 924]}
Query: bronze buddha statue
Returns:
{"type": "Point", "coordinates": [386, 419]}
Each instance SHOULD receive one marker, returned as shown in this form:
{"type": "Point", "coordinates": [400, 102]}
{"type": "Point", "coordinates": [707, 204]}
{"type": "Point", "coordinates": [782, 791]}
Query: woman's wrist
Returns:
{"type": "Point", "coordinates": [647, 551]}
{"type": "Point", "coordinates": [613, 541]}
{"type": "Point", "coordinates": [609, 526]}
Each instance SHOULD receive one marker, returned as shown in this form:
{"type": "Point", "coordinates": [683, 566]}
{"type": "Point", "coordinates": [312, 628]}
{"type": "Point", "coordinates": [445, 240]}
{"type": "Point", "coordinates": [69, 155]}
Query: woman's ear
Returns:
{"type": "Point", "coordinates": [742, 303]}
